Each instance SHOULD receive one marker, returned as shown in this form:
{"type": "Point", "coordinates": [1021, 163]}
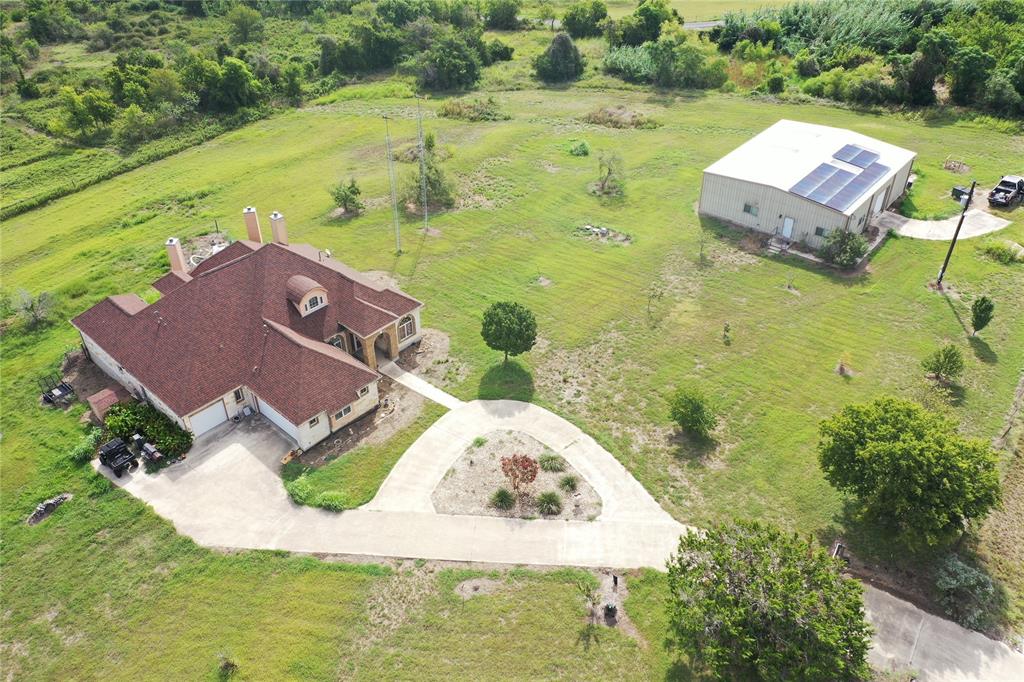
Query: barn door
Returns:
{"type": "Point", "coordinates": [787, 227]}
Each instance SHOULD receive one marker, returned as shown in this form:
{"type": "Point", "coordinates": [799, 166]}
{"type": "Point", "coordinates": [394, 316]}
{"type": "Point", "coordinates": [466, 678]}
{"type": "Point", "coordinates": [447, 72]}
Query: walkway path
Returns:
{"type": "Point", "coordinates": [976, 223]}
{"type": "Point", "coordinates": [418, 385]}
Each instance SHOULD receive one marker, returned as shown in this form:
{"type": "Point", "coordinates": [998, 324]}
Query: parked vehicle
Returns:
{"type": "Point", "coordinates": [1009, 191]}
{"type": "Point", "coordinates": [117, 457]}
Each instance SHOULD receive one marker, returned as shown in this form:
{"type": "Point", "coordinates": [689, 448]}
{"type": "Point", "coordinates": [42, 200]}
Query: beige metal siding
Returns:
{"type": "Point", "coordinates": [723, 198]}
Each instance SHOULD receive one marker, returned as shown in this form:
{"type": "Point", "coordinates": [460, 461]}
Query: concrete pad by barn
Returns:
{"type": "Point", "coordinates": [976, 223]}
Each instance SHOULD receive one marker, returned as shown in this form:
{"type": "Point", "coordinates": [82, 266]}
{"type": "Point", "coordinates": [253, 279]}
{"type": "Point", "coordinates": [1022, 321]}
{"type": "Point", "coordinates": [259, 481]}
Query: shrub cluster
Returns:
{"type": "Point", "coordinates": [843, 248]}
{"type": "Point", "coordinates": [125, 419]}
{"type": "Point", "coordinates": [473, 110]}
{"type": "Point", "coordinates": [86, 447]}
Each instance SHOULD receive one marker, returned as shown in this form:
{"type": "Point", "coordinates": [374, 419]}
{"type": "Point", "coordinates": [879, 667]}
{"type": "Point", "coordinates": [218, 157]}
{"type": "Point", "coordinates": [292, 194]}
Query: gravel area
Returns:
{"type": "Point", "coordinates": [468, 486]}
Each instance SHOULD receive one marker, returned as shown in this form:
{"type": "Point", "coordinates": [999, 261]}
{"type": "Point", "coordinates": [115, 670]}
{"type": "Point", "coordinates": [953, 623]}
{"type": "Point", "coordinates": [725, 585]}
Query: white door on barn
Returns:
{"type": "Point", "coordinates": [879, 203]}
{"type": "Point", "coordinates": [787, 227]}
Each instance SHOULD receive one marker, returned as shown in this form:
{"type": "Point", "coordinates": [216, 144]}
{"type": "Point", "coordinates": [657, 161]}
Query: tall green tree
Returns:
{"type": "Point", "coordinates": [502, 14]}
{"type": "Point", "coordinates": [749, 602]}
{"type": "Point", "coordinates": [946, 364]}
{"type": "Point", "coordinates": [509, 327]}
{"type": "Point", "coordinates": [559, 63]}
{"type": "Point", "coordinates": [909, 469]}
{"type": "Point", "coordinates": [237, 87]}
{"type": "Point", "coordinates": [969, 70]}
{"type": "Point", "coordinates": [246, 23]}
{"type": "Point", "coordinates": [583, 18]}
{"type": "Point", "coordinates": [450, 63]}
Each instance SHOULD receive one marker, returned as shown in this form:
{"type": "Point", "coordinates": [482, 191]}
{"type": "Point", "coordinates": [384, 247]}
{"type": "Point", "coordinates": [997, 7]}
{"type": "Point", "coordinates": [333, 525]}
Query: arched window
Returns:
{"type": "Point", "coordinates": [406, 327]}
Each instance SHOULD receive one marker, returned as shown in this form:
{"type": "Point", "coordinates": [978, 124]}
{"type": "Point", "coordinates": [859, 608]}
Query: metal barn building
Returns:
{"type": "Point", "coordinates": [800, 181]}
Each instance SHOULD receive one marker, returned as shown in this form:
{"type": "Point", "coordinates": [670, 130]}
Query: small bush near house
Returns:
{"type": "Point", "coordinates": [86, 447]}
{"type": "Point", "coordinates": [569, 484]}
{"type": "Point", "coordinates": [331, 500]}
{"type": "Point", "coordinates": [125, 419]}
{"type": "Point", "coordinates": [551, 462]}
{"type": "Point", "coordinates": [479, 442]}
{"type": "Point", "coordinates": [503, 499]}
{"type": "Point", "coordinates": [967, 595]}
{"type": "Point", "coordinates": [549, 503]}
{"type": "Point", "coordinates": [843, 248]}
{"type": "Point", "coordinates": [691, 411]}
{"type": "Point", "coordinates": [300, 490]}
{"type": "Point", "coordinates": [473, 110]}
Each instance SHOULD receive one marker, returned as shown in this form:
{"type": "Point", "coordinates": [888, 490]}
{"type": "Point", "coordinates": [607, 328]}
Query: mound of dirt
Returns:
{"type": "Point", "coordinates": [475, 587]}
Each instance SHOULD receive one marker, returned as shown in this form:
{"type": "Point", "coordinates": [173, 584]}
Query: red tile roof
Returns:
{"type": "Point", "coordinates": [231, 324]}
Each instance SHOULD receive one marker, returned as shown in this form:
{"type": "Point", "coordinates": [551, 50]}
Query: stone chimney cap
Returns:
{"type": "Point", "coordinates": [276, 215]}
{"type": "Point", "coordinates": [249, 209]}
{"type": "Point", "coordinates": [171, 241]}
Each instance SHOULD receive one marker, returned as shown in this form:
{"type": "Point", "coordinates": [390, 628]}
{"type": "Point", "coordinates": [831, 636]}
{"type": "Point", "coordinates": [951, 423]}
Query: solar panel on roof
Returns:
{"type": "Point", "coordinates": [847, 152]}
{"type": "Point", "coordinates": [864, 159]}
{"type": "Point", "coordinates": [844, 198]}
{"type": "Point", "coordinates": [827, 189]}
{"type": "Point", "coordinates": [856, 155]}
{"type": "Point", "coordinates": [810, 181]}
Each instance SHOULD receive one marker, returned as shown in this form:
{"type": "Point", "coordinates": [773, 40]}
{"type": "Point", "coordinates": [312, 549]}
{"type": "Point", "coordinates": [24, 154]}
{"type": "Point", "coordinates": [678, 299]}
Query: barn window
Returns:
{"type": "Point", "coordinates": [751, 209]}
{"type": "Point", "coordinates": [819, 232]}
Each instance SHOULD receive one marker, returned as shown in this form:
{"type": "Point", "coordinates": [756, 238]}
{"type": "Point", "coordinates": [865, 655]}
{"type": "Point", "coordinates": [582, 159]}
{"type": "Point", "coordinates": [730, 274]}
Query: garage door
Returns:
{"type": "Point", "coordinates": [278, 419]}
{"type": "Point", "coordinates": [204, 420]}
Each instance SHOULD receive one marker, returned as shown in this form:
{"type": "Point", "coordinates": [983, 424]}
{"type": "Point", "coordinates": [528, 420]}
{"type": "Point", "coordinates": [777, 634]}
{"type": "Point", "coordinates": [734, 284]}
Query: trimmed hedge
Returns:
{"type": "Point", "coordinates": [125, 419]}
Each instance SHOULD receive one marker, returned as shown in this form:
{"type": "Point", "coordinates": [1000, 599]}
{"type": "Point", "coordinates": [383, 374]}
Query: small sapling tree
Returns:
{"type": "Point", "coordinates": [946, 364]}
{"type": "Point", "coordinates": [611, 173]}
{"type": "Point", "coordinates": [346, 197]}
{"type": "Point", "coordinates": [509, 327]}
{"type": "Point", "coordinates": [982, 310]}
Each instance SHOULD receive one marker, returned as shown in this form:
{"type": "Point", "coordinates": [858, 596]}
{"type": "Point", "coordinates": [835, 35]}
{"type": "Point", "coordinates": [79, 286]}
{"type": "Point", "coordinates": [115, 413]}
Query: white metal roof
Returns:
{"type": "Point", "coordinates": [785, 153]}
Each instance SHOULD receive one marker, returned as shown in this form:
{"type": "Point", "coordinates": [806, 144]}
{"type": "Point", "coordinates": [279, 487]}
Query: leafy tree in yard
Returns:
{"type": "Point", "coordinates": [843, 248]}
{"type": "Point", "coordinates": [968, 69]}
{"type": "Point", "coordinates": [747, 601]}
{"type": "Point", "coordinates": [521, 471]}
{"type": "Point", "coordinates": [246, 23]}
{"type": "Point", "coordinates": [691, 411]}
{"type": "Point", "coordinates": [611, 173]}
{"type": "Point", "coordinates": [347, 196]}
{"type": "Point", "coordinates": [509, 327]}
{"type": "Point", "coordinates": [440, 191]}
{"type": "Point", "coordinates": [982, 309]}
{"type": "Point", "coordinates": [559, 63]}
{"type": "Point", "coordinates": [450, 63]}
{"type": "Point", "coordinates": [908, 468]}
{"type": "Point", "coordinates": [35, 309]}
{"type": "Point", "coordinates": [583, 18]}
{"type": "Point", "coordinates": [503, 14]}
{"type": "Point", "coordinates": [946, 364]}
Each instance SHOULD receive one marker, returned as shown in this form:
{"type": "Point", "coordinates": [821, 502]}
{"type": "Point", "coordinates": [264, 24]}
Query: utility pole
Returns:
{"type": "Point", "coordinates": [423, 164]}
{"type": "Point", "coordinates": [394, 191]}
{"type": "Point", "coordinates": [960, 223]}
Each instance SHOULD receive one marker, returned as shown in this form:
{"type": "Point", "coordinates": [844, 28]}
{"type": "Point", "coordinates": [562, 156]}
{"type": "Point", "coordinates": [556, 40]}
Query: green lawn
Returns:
{"type": "Point", "coordinates": [105, 561]}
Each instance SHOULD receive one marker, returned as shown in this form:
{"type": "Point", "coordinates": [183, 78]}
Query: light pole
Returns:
{"type": "Point", "coordinates": [960, 223]}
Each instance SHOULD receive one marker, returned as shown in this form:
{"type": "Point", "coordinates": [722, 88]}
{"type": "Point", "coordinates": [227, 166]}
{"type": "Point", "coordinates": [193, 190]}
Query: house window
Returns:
{"type": "Point", "coordinates": [239, 395]}
{"type": "Point", "coordinates": [363, 391]}
{"type": "Point", "coordinates": [314, 302]}
{"type": "Point", "coordinates": [314, 421]}
{"type": "Point", "coordinates": [751, 209]}
{"type": "Point", "coordinates": [819, 232]}
{"type": "Point", "coordinates": [344, 412]}
{"type": "Point", "coordinates": [406, 327]}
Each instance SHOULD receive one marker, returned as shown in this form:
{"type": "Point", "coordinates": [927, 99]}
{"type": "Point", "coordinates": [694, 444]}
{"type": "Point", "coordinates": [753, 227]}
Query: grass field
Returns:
{"type": "Point", "coordinates": [104, 561]}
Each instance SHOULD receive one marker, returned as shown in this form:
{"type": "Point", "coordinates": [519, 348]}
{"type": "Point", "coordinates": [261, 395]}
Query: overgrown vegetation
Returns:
{"type": "Point", "coordinates": [126, 419]}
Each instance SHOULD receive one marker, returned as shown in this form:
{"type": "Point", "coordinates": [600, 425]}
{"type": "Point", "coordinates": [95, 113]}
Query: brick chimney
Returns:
{"type": "Point", "coordinates": [252, 224]}
{"type": "Point", "coordinates": [176, 256]}
{"type": "Point", "coordinates": [278, 229]}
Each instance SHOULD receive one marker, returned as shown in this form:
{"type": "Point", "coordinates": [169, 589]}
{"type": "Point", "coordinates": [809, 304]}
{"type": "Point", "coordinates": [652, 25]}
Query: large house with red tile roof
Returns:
{"type": "Point", "coordinates": [283, 329]}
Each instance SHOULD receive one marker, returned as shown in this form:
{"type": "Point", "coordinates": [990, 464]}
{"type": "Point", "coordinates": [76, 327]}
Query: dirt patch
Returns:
{"type": "Point", "coordinates": [86, 378]}
{"type": "Point", "coordinates": [614, 590]}
{"type": "Point", "coordinates": [47, 507]}
{"type": "Point", "coordinates": [467, 487]}
{"type": "Point", "coordinates": [549, 167]}
{"type": "Point", "coordinates": [476, 587]}
{"type": "Point", "coordinates": [605, 235]}
{"type": "Point", "coordinates": [542, 281]}
{"type": "Point", "coordinates": [198, 249]}
{"type": "Point", "coordinates": [429, 359]}
{"type": "Point", "coordinates": [432, 232]}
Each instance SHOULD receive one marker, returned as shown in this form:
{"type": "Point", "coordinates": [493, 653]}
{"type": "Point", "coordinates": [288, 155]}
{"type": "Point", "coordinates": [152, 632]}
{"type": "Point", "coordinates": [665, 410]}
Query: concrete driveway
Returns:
{"type": "Point", "coordinates": [228, 493]}
{"type": "Point", "coordinates": [976, 223]}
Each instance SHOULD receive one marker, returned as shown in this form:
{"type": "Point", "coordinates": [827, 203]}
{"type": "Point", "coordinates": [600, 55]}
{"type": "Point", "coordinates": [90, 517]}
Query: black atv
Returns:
{"type": "Point", "coordinates": [117, 457]}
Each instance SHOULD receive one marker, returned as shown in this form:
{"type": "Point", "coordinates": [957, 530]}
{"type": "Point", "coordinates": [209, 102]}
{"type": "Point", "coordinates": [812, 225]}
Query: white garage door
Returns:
{"type": "Point", "coordinates": [204, 420]}
{"type": "Point", "coordinates": [277, 418]}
